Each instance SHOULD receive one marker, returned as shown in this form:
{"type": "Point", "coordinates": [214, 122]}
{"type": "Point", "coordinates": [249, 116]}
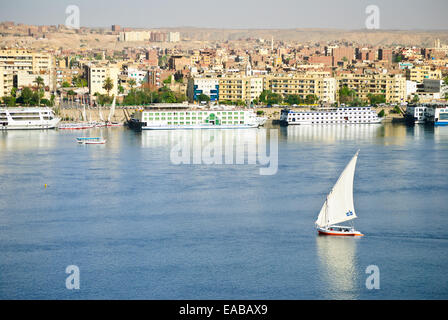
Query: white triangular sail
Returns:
{"type": "Point", "coordinates": [112, 111]}
{"type": "Point", "coordinates": [101, 114]}
{"type": "Point", "coordinates": [84, 114]}
{"type": "Point", "coordinates": [339, 205]}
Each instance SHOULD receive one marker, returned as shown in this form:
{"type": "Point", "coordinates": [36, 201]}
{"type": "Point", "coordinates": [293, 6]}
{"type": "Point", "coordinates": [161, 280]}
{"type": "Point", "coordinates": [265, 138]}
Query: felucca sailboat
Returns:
{"type": "Point", "coordinates": [338, 206]}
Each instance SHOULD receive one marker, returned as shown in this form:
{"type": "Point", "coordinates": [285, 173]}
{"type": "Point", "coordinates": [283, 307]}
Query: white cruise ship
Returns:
{"type": "Point", "coordinates": [343, 115]}
{"type": "Point", "coordinates": [27, 118]}
{"type": "Point", "coordinates": [437, 114]}
{"type": "Point", "coordinates": [195, 119]}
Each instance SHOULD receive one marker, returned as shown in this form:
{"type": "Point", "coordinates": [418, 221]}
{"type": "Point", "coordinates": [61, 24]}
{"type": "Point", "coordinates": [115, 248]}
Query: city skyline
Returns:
{"type": "Point", "coordinates": [283, 14]}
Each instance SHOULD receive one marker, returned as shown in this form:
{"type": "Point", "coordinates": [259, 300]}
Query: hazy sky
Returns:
{"type": "Point", "coordinates": [341, 14]}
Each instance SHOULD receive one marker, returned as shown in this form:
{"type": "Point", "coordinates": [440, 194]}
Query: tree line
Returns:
{"type": "Point", "coordinates": [28, 96]}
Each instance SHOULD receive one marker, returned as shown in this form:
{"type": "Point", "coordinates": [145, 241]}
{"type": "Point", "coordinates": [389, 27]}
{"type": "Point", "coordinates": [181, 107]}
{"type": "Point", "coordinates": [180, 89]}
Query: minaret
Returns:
{"type": "Point", "coordinates": [248, 69]}
{"type": "Point", "coordinates": [272, 44]}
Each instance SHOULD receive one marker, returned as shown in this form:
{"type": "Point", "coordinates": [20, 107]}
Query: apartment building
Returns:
{"type": "Point", "coordinates": [178, 62]}
{"type": "Point", "coordinates": [158, 36]}
{"type": "Point", "coordinates": [342, 54]}
{"type": "Point", "coordinates": [173, 36]}
{"type": "Point", "coordinates": [27, 60]}
{"type": "Point", "coordinates": [240, 88]}
{"type": "Point", "coordinates": [66, 75]}
{"type": "Point", "coordinates": [6, 82]}
{"type": "Point", "coordinates": [323, 87]}
{"type": "Point", "coordinates": [232, 89]}
{"type": "Point", "coordinates": [97, 75]}
{"type": "Point", "coordinates": [127, 36]}
{"type": "Point", "coordinates": [385, 54]}
{"type": "Point", "coordinates": [139, 76]}
{"type": "Point", "coordinates": [207, 86]}
{"type": "Point", "coordinates": [28, 79]}
{"type": "Point", "coordinates": [419, 73]}
{"type": "Point", "coordinates": [392, 86]}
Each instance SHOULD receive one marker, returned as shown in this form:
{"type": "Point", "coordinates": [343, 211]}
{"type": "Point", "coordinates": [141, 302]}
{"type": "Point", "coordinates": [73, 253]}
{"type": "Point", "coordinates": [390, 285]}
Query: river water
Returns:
{"type": "Point", "coordinates": [139, 226]}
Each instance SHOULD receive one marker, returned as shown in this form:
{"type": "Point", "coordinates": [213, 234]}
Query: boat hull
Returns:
{"type": "Point", "coordinates": [330, 232]}
{"type": "Point", "coordinates": [92, 142]}
{"type": "Point", "coordinates": [186, 127]}
{"type": "Point", "coordinates": [28, 127]}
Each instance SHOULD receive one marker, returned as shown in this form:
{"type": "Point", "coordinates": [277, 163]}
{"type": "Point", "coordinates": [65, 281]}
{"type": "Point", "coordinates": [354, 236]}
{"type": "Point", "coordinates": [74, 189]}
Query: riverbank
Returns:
{"type": "Point", "coordinates": [75, 114]}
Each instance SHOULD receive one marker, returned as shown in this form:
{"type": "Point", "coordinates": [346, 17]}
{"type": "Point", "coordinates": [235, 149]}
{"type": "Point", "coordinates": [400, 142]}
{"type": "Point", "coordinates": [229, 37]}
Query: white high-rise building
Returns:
{"type": "Point", "coordinates": [97, 76]}
{"type": "Point", "coordinates": [173, 36]}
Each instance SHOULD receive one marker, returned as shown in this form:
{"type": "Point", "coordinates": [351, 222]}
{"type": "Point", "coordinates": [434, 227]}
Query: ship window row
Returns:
{"type": "Point", "coordinates": [330, 113]}
{"type": "Point", "coordinates": [184, 118]}
{"type": "Point", "coordinates": [329, 117]}
{"type": "Point", "coordinates": [323, 118]}
{"type": "Point", "coordinates": [299, 119]}
{"type": "Point", "coordinates": [192, 122]}
{"type": "Point", "coordinates": [26, 118]}
{"type": "Point", "coordinates": [192, 113]}
{"type": "Point", "coordinates": [329, 122]}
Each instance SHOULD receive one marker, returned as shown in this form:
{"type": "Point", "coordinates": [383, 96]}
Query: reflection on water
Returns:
{"type": "Point", "coordinates": [337, 261]}
{"type": "Point", "coordinates": [440, 133]}
{"type": "Point", "coordinates": [49, 139]}
{"type": "Point", "coordinates": [330, 133]}
{"type": "Point", "coordinates": [162, 138]}
{"type": "Point", "coordinates": [387, 134]}
{"type": "Point", "coordinates": [26, 139]}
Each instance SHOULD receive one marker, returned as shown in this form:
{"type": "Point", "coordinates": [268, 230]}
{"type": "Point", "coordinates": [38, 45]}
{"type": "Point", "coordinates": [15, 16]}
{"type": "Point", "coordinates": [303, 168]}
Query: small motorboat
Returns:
{"type": "Point", "coordinates": [88, 140]}
{"type": "Point", "coordinates": [339, 206]}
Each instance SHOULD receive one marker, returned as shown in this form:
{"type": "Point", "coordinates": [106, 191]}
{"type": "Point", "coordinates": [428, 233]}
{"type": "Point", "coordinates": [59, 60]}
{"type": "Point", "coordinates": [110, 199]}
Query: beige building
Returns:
{"type": "Point", "coordinates": [97, 76]}
{"type": "Point", "coordinates": [27, 60]}
{"type": "Point", "coordinates": [173, 36]}
{"type": "Point", "coordinates": [27, 79]}
{"type": "Point", "coordinates": [134, 36]}
{"type": "Point", "coordinates": [6, 82]}
{"type": "Point", "coordinates": [419, 73]}
{"type": "Point", "coordinates": [322, 86]}
{"type": "Point", "coordinates": [392, 86]}
{"type": "Point", "coordinates": [240, 88]}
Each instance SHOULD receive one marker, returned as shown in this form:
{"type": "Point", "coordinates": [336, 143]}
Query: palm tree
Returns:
{"type": "Point", "coordinates": [108, 85]}
{"type": "Point", "coordinates": [132, 83]}
{"type": "Point", "coordinates": [40, 82]}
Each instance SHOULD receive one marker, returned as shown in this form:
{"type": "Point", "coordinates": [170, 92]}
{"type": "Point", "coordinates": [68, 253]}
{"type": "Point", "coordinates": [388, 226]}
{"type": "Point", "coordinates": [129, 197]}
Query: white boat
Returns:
{"type": "Point", "coordinates": [338, 206]}
{"type": "Point", "coordinates": [90, 140]}
{"type": "Point", "coordinates": [166, 119]}
{"type": "Point", "coordinates": [343, 115]}
{"type": "Point", "coordinates": [15, 118]}
{"type": "Point", "coordinates": [437, 114]}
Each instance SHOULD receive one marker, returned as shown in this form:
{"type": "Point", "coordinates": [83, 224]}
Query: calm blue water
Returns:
{"type": "Point", "coordinates": [140, 227]}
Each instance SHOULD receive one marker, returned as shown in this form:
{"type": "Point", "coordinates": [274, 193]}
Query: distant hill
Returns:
{"type": "Point", "coordinates": [67, 40]}
{"type": "Point", "coordinates": [373, 37]}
